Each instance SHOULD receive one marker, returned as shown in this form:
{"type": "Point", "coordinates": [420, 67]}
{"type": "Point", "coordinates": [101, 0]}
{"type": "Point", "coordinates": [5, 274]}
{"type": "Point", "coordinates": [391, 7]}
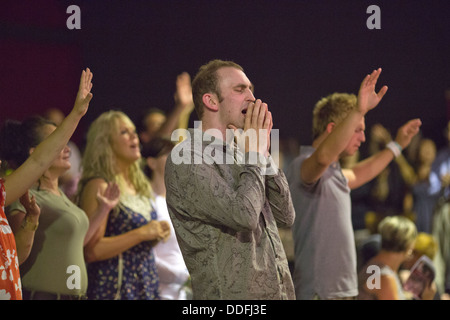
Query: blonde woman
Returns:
{"type": "Point", "coordinates": [398, 239]}
{"type": "Point", "coordinates": [120, 257]}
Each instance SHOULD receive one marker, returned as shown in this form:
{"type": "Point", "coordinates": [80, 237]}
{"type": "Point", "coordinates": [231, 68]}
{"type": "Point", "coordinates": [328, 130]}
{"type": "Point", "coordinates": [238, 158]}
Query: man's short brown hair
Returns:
{"type": "Point", "coordinates": [207, 81]}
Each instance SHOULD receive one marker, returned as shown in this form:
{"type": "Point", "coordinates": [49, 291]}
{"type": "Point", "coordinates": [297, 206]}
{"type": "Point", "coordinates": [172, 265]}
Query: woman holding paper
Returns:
{"type": "Point", "coordinates": [378, 279]}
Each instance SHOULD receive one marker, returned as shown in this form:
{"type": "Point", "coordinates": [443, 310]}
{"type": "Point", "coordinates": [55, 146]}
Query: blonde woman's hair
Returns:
{"type": "Point", "coordinates": [98, 157]}
{"type": "Point", "coordinates": [332, 108]}
{"type": "Point", "coordinates": [397, 233]}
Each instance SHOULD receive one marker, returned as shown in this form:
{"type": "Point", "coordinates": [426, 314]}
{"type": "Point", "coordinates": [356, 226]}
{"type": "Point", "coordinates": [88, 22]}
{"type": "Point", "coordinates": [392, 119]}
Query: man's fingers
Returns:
{"type": "Point", "coordinates": [374, 76]}
{"type": "Point", "coordinates": [371, 79]}
{"type": "Point", "coordinates": [414, 124]}
{"type": "Point", "coordinates": [262, 116]}
{"type": "Point", "coordinates": [382, 92]}
{"type": "Point", "coordinates": [82, 80]}
{"type": "Point", "coordinates": [412, 127]}
{"type": "Point", "coordinates": [268, 121]}
{"type": "Point", "coordinates": [88, 98]}
{"type": "Point", "coordinates": [364, 82]}
{"type": "Point", "coordinates": [248, 115]}
{"type": "Point", "coordinates": [255, 114]}
{"type": "Point", "coordinates": [90, 75]}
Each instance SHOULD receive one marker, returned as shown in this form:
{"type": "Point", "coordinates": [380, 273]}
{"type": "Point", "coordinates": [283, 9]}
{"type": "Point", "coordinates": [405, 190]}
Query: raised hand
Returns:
{"type": "Point", "coordinates": [110, 197]}
{"type": "Point", "coordinates": [380, 134]}
{"type": "Point", "coordinates": [183, 95]}
{"type": "Point", "coordinates": [406, 132]}
{"type": "Point", "coordinates": [367, 96]}
{"type": "Point", "coordinates": [84, 94]}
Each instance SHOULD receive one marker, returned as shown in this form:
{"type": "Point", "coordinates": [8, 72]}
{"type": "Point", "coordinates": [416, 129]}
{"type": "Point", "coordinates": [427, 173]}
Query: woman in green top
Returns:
{"type": "Point", "coordinates": [55, 268]}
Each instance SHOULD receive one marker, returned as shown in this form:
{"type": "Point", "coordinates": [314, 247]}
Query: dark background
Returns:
{"type": "Point", "coordinates": [295, 52]}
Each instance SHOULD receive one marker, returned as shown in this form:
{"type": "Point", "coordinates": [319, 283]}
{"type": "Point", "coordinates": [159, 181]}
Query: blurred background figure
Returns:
{"type": "Point", "coordinates": [440, 170]}
{"type": "Point", "coordinates": [68, 182]}
{"type": "Point", "coordinates": [388, 189]}
{"type": "Point", "coordinates": [418, 198]}
{"type": "Point", "coordinates": [155, 123]}
{"type": "Point", "coordinates": [398, 240]}
{"type": "Point", "coordinates": [172, 271]}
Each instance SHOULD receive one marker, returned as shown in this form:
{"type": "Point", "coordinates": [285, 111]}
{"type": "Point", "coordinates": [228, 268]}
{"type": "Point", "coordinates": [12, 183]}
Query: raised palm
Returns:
{"type": "Point", "coordinates": [183, 94]}
{"type": "Point", "coordinates": [367, 96]}
{"type": "Point", "coordinates": [110, 197]}
{"type": "Point", "coordinates": [84, 94]}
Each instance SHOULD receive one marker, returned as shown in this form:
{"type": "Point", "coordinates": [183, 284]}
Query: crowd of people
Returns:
{"type": "Point", "coordinates": [120, 218]}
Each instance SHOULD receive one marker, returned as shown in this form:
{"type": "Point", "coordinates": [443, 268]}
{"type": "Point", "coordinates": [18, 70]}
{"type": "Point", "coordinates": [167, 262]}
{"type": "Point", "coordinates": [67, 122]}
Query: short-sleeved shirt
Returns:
{"type": "Point", "coordinates": [325, 252]}
{"type": "Point", "coordinates": [10, 283]}
{"type": "Point", "coordinates": [56, 261]}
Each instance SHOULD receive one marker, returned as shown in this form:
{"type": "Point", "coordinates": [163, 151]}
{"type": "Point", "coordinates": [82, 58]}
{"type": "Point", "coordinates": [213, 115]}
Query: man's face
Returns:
{"type": "Point", "coordinates": [236, 92]}
{"type": "Point", "coordinates": [357, 139]}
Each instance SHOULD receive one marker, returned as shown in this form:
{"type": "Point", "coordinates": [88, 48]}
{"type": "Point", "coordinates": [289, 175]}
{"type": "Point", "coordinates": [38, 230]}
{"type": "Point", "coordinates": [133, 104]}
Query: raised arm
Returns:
{"type": "Point", "coordinates": [29, 172]}
{"type": "Point", "coordinates": [184, 104]}
{"type": "Point", "coordinates": [369, 168]}
{"type": "Point", "coordinates": [183, 97]}
{"type": "Point", "coordinates": [106, 201]}
{"type": "Point", "coordinates": [329, 150]}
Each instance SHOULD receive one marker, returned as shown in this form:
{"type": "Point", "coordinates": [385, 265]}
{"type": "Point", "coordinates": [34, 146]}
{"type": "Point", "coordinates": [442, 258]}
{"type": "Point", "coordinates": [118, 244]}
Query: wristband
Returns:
{"type": "Point", "coordinates": [395, 148]}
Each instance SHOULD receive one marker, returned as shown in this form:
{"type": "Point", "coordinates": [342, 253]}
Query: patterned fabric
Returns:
{"type": "Point", "coordinates": [132, 275]}
{"type": "Point", "coordinates": [172, 270]}
{"type": "Point", "coordinates": [226, 217]}
{"type": "Point", "coordinates": [441, 232]}
{"type": "Point", "coordinates": [10, 285]}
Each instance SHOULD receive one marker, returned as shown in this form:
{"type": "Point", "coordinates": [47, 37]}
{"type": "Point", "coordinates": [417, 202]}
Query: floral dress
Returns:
{"type": "Point", "coordinates": [10, 285]}
{"type": "Point", "coordinates": [131, 275]}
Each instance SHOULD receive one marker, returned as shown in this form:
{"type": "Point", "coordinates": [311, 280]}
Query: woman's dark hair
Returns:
{"type": "Point", "coordinates": [16, 139]}
{"type": "Point", "coordinates": [155, 148]}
